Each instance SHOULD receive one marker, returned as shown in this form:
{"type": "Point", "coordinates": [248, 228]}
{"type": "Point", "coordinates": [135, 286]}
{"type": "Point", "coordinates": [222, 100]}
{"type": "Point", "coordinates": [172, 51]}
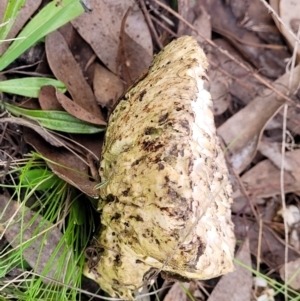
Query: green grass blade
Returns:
{"type": "Point", "coordinates": [51, 17]}
{"type": "Point", "coordinates": [11, 12]}
{"type": "Point", "coordinates": [29, 86]}
{"type": "Point", "coordinates": [56, 120]}
{"type": "Point", "coordinates": [47, 208]}
{"type": "Point", "coordinates": [100, 185]}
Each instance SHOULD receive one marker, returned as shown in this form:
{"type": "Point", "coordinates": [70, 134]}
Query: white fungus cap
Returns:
{"type": "Point", "coordinates": [166, 199]}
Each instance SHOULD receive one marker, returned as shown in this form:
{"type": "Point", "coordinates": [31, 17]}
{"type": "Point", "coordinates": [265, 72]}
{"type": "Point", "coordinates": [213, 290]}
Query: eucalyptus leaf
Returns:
{"type": "Point", "coordinates": [29, 86]}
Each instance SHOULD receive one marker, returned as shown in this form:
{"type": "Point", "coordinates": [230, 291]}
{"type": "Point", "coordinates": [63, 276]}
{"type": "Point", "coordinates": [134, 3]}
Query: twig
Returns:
{"type": "Point", "coordinates": [270, 9]}
{"type": "Point", "coordinates": [166, 28]}
{"type": "Point", "coordinates": [258, 257]}
{"type": "Point", "coordinates": [150, 24]}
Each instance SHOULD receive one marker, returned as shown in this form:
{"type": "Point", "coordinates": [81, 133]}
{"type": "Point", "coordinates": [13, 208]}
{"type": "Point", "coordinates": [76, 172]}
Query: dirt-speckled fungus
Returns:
{"type": "Point", "coordinates": [166, 199]}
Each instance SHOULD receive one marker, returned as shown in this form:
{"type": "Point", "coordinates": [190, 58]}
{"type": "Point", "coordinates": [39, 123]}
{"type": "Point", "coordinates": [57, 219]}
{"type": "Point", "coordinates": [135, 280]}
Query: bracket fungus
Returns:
{"type": "Point", "coordinates": [166, 196]}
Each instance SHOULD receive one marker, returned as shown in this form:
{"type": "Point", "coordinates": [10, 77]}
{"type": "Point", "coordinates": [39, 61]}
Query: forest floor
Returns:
{"type": "Point", "coordinates": [252, 50]}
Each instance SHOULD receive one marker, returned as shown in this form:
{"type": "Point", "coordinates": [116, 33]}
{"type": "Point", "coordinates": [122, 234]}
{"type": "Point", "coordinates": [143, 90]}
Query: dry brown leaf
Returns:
{"type": "Point", "coordinates": [242, 84]}
{"type": "Point", "coordinates": [107, 87]}
{"type": "Point", "coordinates": [237, 285]}
{"type": "Point", "coordinates": [253, 118]}
{"type": "Point", "coordinates": [218, 88]}
{"type": "Point", "coordinates": [48, 99]}
{"type": "Point", "coordinates": [26, 11]}
{"type": "Point", "coordinates": [184, 8]}
{"type": "Point", "coordinates": [49, 137]}
{"type": "Point", "coordinates": [272, 150]}
{"type": "Point", "coordinates": [263, 179]}
{"type": "Point", "coordinates": [81, 50]}
{"type": "Point", "coordinates": [132, 59]}
{"type": "Point", "coordinates": [202, 23]}
{"type": "Point", "coordinates": [293, 268]}
{"type": "Point", "coordinates": [270, 61]}
{"type": "Point", "coordinates": [239, 8]}
{"type": "Point", "coordinates": [82, 144]}
{"type": "Point", "coordinates": [66, 69]}
{"type": "Point", "coordinates": [92, 143]}
{"type": "Point", "coordinates": [76, 110]}
{"type": "Point", "coordinates": [288, 11]}
{"type": "Point", "coordinates": [177, 292]}
{"type": "Point", "coordinates": [101, 29]}
{"type": "Point", "coordinates": [18, 218]}
{"type": "Point", "coordinates": [253, 16]}
{"type": "Point", "coordinates": [293, 119]}
{"type": "Point", "coordinates": [272, 248]}
{"type": "Point", "coordinates": [65, 164]}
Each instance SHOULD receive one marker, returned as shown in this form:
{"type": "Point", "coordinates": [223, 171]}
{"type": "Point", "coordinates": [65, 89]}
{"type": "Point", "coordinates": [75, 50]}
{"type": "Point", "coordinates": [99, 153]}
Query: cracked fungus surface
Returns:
{"type": "Point", "coordinates": [166, 200]}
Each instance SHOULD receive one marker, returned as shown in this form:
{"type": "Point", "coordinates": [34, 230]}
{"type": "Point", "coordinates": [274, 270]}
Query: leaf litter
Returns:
{"type": "Point", "coordinates": [117, 42]}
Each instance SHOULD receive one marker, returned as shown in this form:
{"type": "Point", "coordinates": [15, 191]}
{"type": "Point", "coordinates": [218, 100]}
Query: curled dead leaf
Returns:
{"type": "Point", "coordinates": [65, 68]}
{"type": "Point", "coordinates": [107, 87]}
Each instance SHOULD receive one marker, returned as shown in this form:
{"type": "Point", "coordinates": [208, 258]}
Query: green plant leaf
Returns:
{"type": "Point", "coordinates": [11, 12]}
{"type": "Point", "coordinates": [51, 17]}
{"type": "Point", "coordinates": [55, 120]}
{"type": "Point", "coordinates": [30, 86]}
{"type": "Point", "coordinates": [39, 179]}
{"type": "Point", "coordinates": [78, 212]}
